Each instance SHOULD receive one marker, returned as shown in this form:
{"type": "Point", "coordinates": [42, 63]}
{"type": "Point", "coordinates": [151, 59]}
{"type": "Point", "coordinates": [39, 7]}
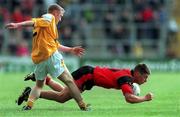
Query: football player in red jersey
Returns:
{"type": "Point", "coordinates": [87, 76]}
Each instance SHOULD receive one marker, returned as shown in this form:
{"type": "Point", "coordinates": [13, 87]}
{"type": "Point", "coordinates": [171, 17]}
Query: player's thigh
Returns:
{"type": "Point", "coordinates": [67, 70]}
{"type": "Point", "coordinates": [66, 77]}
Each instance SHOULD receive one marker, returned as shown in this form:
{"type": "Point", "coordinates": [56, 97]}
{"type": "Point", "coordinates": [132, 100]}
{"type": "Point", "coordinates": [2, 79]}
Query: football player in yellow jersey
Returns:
{"type": "Point", "coordinates": [45, 54]}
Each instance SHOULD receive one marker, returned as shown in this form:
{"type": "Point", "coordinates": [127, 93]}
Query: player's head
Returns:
{"type": "Point", "coordinates": [57, 11]}
{"type": "Point", "coordinates": [141, 73]}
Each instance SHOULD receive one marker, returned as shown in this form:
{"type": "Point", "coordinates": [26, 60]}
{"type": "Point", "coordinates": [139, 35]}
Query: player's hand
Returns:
{"type": "Point", "coordinates": [78, 51]}
{"type": "Point", "coordinates": [149, 96]}
{"type": "Point", "coordinates": [11, 25]}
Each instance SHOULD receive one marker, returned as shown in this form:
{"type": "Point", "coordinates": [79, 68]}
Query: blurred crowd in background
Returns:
{"type": "Point", "coordinates": [121, 27]}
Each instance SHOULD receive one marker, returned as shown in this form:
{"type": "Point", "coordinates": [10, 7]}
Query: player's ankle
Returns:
{"type": "Point", "coordinates": [82, 105]}
{"type": "Point", "coordinates": [30, 103]}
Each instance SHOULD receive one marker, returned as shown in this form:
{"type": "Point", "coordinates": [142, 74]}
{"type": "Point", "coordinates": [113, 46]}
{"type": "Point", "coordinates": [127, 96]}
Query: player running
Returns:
{"type": "Point", "coordinates": [87, 76]}
{"type": "Point", "coordinates": [45, 54]}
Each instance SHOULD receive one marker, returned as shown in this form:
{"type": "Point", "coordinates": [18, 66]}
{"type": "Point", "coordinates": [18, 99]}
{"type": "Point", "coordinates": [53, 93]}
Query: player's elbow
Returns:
{"type": "Point", "coordinates": [128, 100]}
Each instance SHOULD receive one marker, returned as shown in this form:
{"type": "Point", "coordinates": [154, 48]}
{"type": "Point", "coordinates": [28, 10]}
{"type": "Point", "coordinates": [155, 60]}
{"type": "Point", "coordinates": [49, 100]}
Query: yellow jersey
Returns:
{"type": "Point", "coordinates": [45, 37]}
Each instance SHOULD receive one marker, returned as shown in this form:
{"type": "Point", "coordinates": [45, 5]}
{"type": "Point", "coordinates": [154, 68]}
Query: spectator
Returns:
{"type": "Point", "coordinates": [17, 15]}
{"type": "Point", "coordinates": [22, 49]}
{"type": "Point", "coordinates": [108, 21]}
{"type": "Point", "coordinates": [27, 6]}
{"type": "Point", "coordinates": [67, 36]}
{"type": "Point", "coordinates": [147, 14]}
{"type": "Point", "coordinates": [138, 50]}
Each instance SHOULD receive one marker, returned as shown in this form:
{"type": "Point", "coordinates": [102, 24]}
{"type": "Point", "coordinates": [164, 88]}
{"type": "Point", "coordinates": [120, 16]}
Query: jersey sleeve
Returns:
{"type": "Point", "coordinates": [126, 88]}
{"type": "Point", "coordinates": [40, 22]}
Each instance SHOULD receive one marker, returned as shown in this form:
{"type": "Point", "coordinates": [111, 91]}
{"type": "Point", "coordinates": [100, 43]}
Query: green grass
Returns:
{"type": "Point", "coordinates": [105, 103]}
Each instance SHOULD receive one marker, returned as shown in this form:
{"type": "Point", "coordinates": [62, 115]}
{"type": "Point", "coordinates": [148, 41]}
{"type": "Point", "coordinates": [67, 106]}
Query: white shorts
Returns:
{"type": "Point", "coordinates": [54, 66]}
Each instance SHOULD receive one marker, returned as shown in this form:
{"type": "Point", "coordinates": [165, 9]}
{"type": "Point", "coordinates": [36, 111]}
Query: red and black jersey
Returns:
{"type": "Point", "coordinates": [107, 77]}
{"type": "Point", "coordinates": [113, 78]}
{"type": "Point", "coordinates": [87, 77]}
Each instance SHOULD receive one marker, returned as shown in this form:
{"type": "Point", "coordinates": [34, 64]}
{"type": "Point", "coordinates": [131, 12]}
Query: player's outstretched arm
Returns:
{"type": "Point", "coordinates": [77, 50]}
{"type": "Point", "coordinates": [20, 24]}
{"type": "Point", "coordinates": [131, 98]}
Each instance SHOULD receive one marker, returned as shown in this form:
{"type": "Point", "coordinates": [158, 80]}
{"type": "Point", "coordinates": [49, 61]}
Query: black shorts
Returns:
{"type": "Point", "coordinates": [83, 77]}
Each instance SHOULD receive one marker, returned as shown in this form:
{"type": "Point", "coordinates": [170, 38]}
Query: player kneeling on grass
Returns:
{"type": "Point", "coordinates": [87, 76]}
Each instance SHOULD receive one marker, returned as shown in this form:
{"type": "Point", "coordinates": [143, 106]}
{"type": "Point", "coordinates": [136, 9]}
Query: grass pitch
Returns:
{"type": "Point", "coordinates": [105, 103]}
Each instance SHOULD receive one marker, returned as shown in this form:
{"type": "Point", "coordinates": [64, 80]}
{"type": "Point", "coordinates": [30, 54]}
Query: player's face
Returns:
{"type": "Point", "coordinates": [141, 78]}
{"type": "Point", "coordinates": [58, 15]}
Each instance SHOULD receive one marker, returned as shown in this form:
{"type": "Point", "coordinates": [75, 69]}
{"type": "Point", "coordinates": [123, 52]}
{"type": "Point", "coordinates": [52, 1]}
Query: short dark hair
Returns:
{"type": "Point", "coordinates": [53, 7]}
{"type": "Point", "coordinates": [142, 68]}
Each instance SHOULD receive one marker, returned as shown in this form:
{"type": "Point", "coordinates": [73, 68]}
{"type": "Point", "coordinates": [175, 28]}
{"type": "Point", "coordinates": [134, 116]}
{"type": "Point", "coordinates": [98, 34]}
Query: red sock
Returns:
{"type": "Point", "coordinates": [47, 80]}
